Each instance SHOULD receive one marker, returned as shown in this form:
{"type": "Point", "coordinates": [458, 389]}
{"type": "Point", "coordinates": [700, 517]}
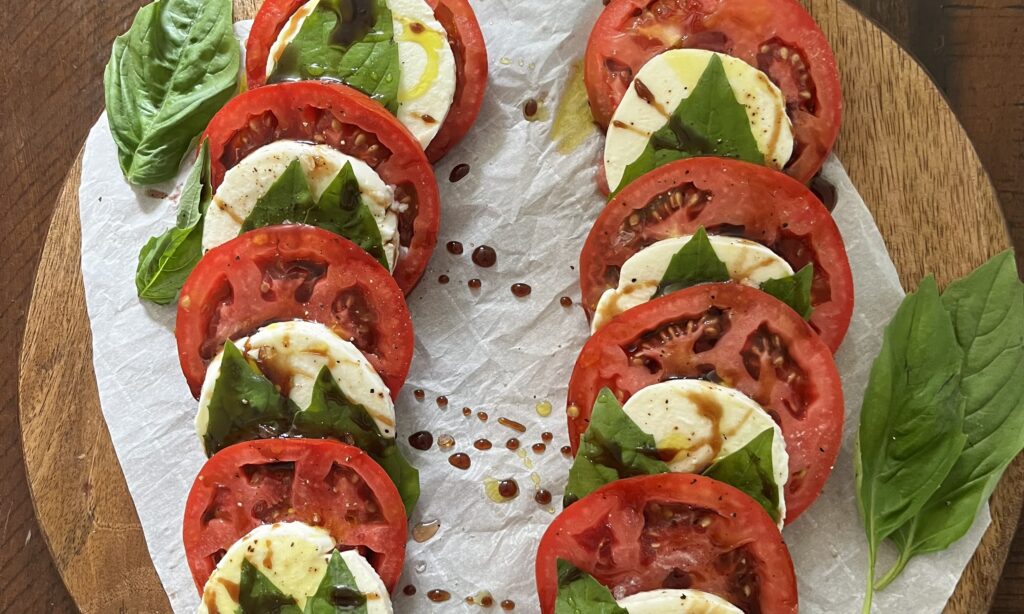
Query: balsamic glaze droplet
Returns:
{"type": "Point", "coordinates": [485, 256]}
{"type": "Point", "coordinates": [458, 173]}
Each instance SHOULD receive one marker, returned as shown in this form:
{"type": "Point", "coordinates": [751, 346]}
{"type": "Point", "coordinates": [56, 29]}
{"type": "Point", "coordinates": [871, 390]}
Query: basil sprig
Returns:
{"type": "Point", "coordinates": [166, 260]}
{"type": "Point", "coordinates": [245, 405]}
{"type": "Point", "coordinates": [697, 263]}
{"type": "Point", "coordinates": [614, 448]}
{"type": "Point", "coordinates": [167, 76]}
{"type": "Point", "coordinates": [341, 208]}
{"type": "Point", "coordinates": [360, 51]}
{"type": "Point", "coordinates": [336, 593]}
{"type": "Point", "coordinates": [580, 593]}
{"type": "Point", "coordinates": [943, 413]}
{"type": "Point", "coordinates": [710, 122]}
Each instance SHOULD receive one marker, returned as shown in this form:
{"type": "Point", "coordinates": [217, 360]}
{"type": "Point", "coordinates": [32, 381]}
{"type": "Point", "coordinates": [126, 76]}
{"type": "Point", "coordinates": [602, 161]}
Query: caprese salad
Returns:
{"type": "Point", "coordinates": [310, 212]}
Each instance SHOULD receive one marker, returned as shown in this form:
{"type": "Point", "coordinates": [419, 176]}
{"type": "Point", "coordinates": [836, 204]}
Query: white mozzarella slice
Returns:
{"type": "Point", "coordinates": [670, 77]}
{"type": "Point", "coordinates": [250, 179]}
{"type": "Point", "coordinates": [294, 557]}
{"type": "Point", "coordinates": [427, 80]}
{"type": "Point", "coordinates": [292, 354]}
{"type": "Point", "coordinates": [749, 263]}
{"type": "Point", "coordinates": [699, 422]}
{"type": "Point", "coordinates": [677, 601]}
{"type": "Point", "coordinates": [288, 33]}
{"type": "Point", "coordinates": [426, 85]}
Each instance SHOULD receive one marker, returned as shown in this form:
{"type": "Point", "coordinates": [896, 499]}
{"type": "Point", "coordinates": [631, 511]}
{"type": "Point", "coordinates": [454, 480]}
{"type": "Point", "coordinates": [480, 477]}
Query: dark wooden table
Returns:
{"type": "Point", "coordinates": [51, 92]}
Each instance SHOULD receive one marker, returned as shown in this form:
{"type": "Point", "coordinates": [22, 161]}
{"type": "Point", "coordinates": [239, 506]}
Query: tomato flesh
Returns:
{"type": "Point", "coordinates": [733, 335]}
{"type": "Point", "coordinates": [464, 36]}
{"type": "Point", "coordinates": [778, 37]}
{"type": "Point", "coordinates": [320, 482]}
{"type": "Point", "coordinates": [726, 197]}
{"type": "Point", "coordinates": [350, 122]}
{"type": "Point", "coordinates": [672, 531]}
{"type": "Point", "coordinates": [293, 272]}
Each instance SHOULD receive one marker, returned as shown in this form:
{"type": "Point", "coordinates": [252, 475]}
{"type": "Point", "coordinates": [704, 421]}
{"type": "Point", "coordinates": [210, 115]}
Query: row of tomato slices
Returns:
{"type": "Point", "coordinates": [683, 530]}
{"type": "Point", "coordinates": [290, 272]}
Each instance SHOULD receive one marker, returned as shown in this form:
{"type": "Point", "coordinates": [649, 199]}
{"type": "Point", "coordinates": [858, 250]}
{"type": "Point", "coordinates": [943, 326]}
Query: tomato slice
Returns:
{"type": "Point", "coordinates": [672, 531]}
{"type": "Point", "coordinates": [350, 122]}
{"type": "Point", "coordinates": [737, 336]}
{"type": "Point", "coordinates": [778, 37]}
{"type": "Point", "coordinates": [319, 482]}
{"type": "Point", "coordinates": [464, 36]}
{"type": "Point", "coordinates": [726, 197]}
{"type": "Point", "coordinates": [292, 272]}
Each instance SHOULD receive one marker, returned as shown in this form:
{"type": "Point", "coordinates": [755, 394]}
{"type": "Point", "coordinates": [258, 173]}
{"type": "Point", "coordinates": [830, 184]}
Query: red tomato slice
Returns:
{"type": "Point", "coordinates": [726, 197]}
{"type": "Point", "coordinates": [319, 482]}
{"type": "Point", "coordinates": [737, 336]}
{"type": "Point", "coordinates": [778, 37]}
{"type": "Point", "coordinates": [351, 123]}
{"type": "Point", "coordinates": [293, 272]}
{"type": "Point", "coordinates": [672, 531]}
{"type": "Point", "coordinates": [464, 36]}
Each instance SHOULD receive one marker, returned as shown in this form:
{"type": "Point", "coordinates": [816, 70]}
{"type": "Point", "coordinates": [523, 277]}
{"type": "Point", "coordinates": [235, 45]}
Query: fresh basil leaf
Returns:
{"type": "Point", "coordinates": [343, 211]}
{"type": "Point", "coordinates": [245, 405]}
{"type": "Point", "coordinates": [167, 76]}
{"type": "Point", "coordinates": [258, 595]}
{"type": "Point", "coordinates": [332, 414]}
{"type": "Point", "coordinates": [911, 423]}
{"type": "Point", "coordinates": [794, 290]}
{"type": "Point", "coordinates": [580, 593]}
{"type": "Point", "coordinates": [710, 122]}
{"type": "Point", "coordinates": [987, 309]}
{"type": "Point", "coordinates": [359, 51]}
{"type": "Point", "coordinates": [165, 261]}
{"type": "Point", "coordinates": [338, 591]}
{"type": "Point", "coordinates": [694, 263]}
{"type": "Point", "coordinates": [612, 447]}
{"type": "Point", "coordinates": [750, 469]}
{"type": "Point", "coordinates": [341, 208]}
{"type": "Point", "coordinates": [286, 200]}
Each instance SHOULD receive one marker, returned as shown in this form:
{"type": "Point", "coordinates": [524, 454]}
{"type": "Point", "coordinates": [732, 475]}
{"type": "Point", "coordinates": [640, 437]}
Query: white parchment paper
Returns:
{"type": "Point", "coordinates": [483, 349]}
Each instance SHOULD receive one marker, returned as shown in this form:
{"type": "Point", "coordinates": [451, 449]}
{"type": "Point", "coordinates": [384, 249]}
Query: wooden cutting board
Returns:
{"type": "Point", "coordinates": [900, 142]}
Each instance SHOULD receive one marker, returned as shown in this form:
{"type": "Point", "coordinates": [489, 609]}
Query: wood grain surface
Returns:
{"type": "Point", "coordinates": [57, 63]}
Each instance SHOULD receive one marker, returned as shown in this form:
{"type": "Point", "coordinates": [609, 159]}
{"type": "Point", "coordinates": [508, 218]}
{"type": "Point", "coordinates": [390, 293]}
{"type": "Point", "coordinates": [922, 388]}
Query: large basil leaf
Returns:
{"type": "Point", "coordinates": [794, 290]}
{"type": "Point", "coordinates": [580, 593]}
{"type": "Point", "coordinates": [245, 405]}
{"type": "Point", "coordinates": [694, 263]}
{"type": "Point", "coordinates": [341, 208]}
{"type": "Point", "coordinates": [258, 595]}
{"type": "Point", "coordinates": [166, 260]}
{"type": "Point", "coordinates": [612, 447]}
{"type": "Point", "coordinates": [167, 76]}
{"type": "Point", "coordinates": [710, 122]}
{"type": "Point", "coordinates": [338, 592]}
{"type": "Point", "coordinates": [987, 309]}
{"type": "Point", "coordinates": [332, 414]}
{"type": "Point", "coordinates": [360, 51]}
{"type": "Point", "coordinates": [911, 424]}
{"type": "Point", "coordinates": [751, 470]}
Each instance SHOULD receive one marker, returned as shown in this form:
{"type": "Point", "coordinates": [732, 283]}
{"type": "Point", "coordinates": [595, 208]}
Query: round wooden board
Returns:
{"type": "Point", "coordinates": [900, 142]}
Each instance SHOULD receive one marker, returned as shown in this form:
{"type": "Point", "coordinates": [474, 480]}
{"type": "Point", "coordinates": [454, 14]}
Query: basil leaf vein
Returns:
{"type": "Point", "coordinates": [751, 470]}
{"type": "Point", "coordinates": [337, 592]}
{"type": "Point", "coordinates": [695, 263]}
{"type": "Point", "coordinates": [167, 76]}
{"type": "Point", "coordinates": [710, 122]}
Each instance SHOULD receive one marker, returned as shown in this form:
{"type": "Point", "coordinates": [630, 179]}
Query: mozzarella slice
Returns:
{"type": "Point", "coordinates": [292, 354]}
{"type": "Point", "coordinates": [670, 77]}
{"type": "Point", "coordinates": [695, 423]}
{"type": "Point", "coordinates": [250, 179]}
{"type": "Point", "coordinates": [749, 263]}
{"type": "Point", "coordinates": [427, 81]}
{"type": "Point", "coordinates": [426, 86]}
{"type": "Point", "coordinates": [675, 601]}
{"type": "Point", "coordinates": [294, 557]}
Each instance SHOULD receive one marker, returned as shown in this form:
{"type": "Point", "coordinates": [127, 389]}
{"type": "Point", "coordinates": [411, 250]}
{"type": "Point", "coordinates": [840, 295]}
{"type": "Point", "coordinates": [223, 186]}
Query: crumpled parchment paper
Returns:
{"type": "Point", "coordinates": [483, 349]}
